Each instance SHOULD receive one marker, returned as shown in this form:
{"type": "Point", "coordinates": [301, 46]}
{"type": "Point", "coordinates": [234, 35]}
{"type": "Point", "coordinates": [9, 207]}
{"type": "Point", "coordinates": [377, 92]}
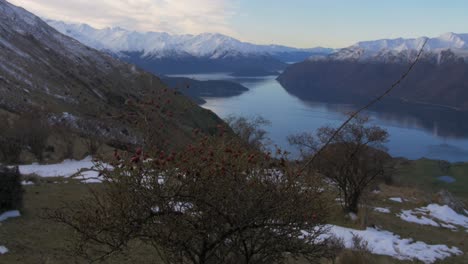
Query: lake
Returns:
{"type": "Point", "coordinates": [415, 131]}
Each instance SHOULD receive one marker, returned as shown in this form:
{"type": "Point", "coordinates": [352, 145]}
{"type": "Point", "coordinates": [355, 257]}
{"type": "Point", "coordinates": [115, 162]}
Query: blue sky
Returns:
{"type": "Point", "coordinates": [300, 23]}
{"type": "Point", "coordinates": [339, 23]}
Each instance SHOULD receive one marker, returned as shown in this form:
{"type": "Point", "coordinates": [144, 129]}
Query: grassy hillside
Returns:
{"type": "Point", "coordinates": [423, 174]}
{"type": "Point", "coordinates": [33, 239]}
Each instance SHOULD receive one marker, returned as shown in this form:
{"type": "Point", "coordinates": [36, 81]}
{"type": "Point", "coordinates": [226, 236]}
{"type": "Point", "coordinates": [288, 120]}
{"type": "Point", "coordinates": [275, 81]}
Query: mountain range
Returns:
{"type": "Point", "coordinates": [82, 90]}
{"type": "Point", "coordinates": [163, 53]}
{"type": "Point", "coordinates": [401, 50]}
{"type": "Point", "coordinates": [364, 70]}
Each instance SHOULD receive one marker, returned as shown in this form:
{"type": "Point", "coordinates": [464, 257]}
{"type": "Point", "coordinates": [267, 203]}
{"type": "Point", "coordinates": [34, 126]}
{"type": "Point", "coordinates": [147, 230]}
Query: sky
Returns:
{"type": "Point", "coordinates": [298, 23]}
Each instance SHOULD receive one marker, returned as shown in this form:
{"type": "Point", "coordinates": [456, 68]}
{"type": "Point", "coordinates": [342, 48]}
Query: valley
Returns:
{"type": "Point", "coordinates": [415, 131]}
{"type": "Point", "coordinates": [128, 139]}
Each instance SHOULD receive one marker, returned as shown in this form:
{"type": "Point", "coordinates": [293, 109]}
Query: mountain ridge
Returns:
{"type": "Point", "coordinates": [162, 53]}
{"type": "Point", "coordinates": [156, 43]}
{"type": "Point", "coordinates": [402, 50]}
{"type": "Point", "coordinates": [70, 85]}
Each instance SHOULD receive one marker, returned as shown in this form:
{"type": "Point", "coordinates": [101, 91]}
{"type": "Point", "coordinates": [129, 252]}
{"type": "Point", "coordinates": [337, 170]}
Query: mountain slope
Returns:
{"type": "Point", "coordinates": [365, 69]}
{"type": "Point", "coordinates": [165, 53]}
{"type": "Point", "coordinates": [52, 75]}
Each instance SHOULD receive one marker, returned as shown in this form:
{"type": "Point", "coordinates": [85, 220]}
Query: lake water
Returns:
{"type": "Point", "coordinates": [414, 132]}
{"type": "Point", "coordinates": [447, 179]}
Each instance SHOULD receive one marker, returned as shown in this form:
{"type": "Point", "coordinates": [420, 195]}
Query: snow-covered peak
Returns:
{"type": "Point", "coordinates": [402, 50]}
{"type": "Point", "coordinates": [161, 44]}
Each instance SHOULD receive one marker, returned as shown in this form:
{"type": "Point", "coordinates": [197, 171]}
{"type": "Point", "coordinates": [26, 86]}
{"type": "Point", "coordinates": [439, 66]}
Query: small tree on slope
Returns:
{"type": "Point", "coordinates": [352, 161]}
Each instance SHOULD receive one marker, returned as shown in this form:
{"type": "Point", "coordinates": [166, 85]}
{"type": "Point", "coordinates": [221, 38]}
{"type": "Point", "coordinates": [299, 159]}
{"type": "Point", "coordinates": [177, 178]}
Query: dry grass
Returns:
{"type": "Point", "coordinates": [32, 239]}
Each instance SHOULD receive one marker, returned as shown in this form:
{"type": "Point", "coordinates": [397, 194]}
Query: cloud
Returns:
{"type": "Point", "coordinates": [173, 16]}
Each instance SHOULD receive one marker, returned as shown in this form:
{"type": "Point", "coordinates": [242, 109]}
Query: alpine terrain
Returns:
{"type": "Point", "coordinates": [360, 72]}
{"type": "Point", "coordinates": [163, 53]}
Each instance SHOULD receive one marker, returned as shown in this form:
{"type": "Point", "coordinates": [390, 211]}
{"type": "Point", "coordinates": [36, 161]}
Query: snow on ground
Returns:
{"type": "Point", "coordinates": [27, 183]}
{"type": "Point", "coordinates": [9, 214]}
{"type": "Point", "coordinates": [382, 210]}
{"type": "Point", "coordinates": [396, 199]}
{"type": "Point", "coordinates": [65, 169]}
{"type": "Point", "coordinates": [410, 216]}
{"type": "Point", "coordinates": [3, 217]}
{"type": "Point", "coordinates": [3, 250]}
{"type": "Point", "coordinates": [84, 169]}
{"type": "Point", "coordinates": [435, 215]}
{"type": "Point", "coordinates": [383, 242]}
{"type": "Point", "coordinates": [91, 176]}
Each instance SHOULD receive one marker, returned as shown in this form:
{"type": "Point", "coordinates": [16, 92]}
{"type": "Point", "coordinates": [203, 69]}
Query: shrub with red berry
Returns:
{"type": "Point", "coordinates": [213, 202]}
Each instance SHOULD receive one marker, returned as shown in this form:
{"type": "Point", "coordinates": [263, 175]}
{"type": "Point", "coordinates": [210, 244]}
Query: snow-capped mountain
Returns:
{"type": "Point", "coordinates": [403, 50]}
{"type": "Point", "coordinates": [161, 52]}
{"type": "Point", "coordinates": [161, 44]}
{"type": "Point", "coordinates": [360, 72]}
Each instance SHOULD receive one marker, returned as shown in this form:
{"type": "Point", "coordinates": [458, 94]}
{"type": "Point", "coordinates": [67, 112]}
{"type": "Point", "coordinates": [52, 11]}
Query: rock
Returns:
{"type": "Point", "coordinates": [444, 197]}
{"type": "Point", "coordinates": [353, 217]}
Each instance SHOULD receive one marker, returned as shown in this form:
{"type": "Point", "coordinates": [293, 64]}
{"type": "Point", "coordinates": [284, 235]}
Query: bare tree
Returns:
{"type": "Point", "coordinates": [353, 160]}
{"type": "Point", "coordinates": [250, 130]}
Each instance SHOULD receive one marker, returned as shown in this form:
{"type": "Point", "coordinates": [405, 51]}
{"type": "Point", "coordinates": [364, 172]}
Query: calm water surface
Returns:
{"type": "Point", "coordinates": [414, 133]}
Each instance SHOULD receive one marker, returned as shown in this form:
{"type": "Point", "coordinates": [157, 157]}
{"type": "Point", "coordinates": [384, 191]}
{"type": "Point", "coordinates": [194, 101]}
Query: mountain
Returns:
{"type": "Point", "coordinates": [401, 50]}
{"type": "Point", "coordinates": [163, 53]}
{"type": "Point", "coordinates": [365, 69]}
{"type": "Point", "coordinates": [47, 74]}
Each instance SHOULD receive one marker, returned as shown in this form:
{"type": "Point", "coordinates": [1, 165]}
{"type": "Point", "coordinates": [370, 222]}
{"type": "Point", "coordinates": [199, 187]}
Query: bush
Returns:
{"type": "Point", "coordinates": [11, 191]}
{"type": "Point", "coordinates": [214, 202]}
{"type": "Point", "coordinates": [26, 133]}
{"type": "Point", "coordinates": [359, 253]}
{"type": "Point", "coordinates": [10, 149]}
{"type": "Point", "coordinates": [33, 134]}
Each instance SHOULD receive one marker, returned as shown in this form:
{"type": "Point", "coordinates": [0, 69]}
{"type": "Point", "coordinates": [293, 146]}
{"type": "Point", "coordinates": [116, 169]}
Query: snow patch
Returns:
{"type": "Point", "coordinates": [86, 170]}
{"type": "Point", "coordinates": [382, 210]}
{"type": "Point", "coordinates": [27, 183]}
{"type": "Point", "coordinates": [9, 214]}
{"type": "Point", "coordinates": [396, 199]}
{"type": "Point", "coordinates": [412, 217]}
{"type": "Point", "coordinates": [91, 176]}
{"type": "Point", "coordinates": [67, 168]}
{"type": "Point", "coordinates": [383, 242]}
{"type": "Point", "coordinates": [3, 250]}
{"type": "Point", "coordinates": [435, 215]}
